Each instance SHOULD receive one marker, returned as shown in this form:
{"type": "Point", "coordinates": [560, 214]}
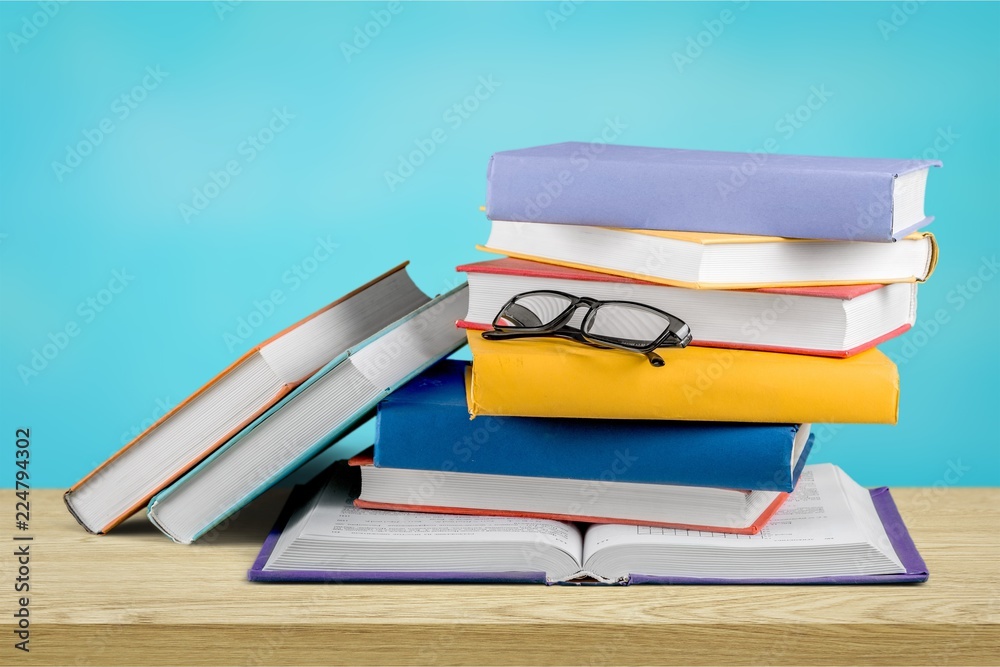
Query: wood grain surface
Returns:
{"type": "Point", "coordinates": [135, 598]}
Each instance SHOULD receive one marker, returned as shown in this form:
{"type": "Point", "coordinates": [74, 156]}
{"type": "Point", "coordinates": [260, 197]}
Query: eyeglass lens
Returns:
{"type": "Point", "coordinates": [631, 325]}
{"type": "Point", "coordinates": [533, 310]}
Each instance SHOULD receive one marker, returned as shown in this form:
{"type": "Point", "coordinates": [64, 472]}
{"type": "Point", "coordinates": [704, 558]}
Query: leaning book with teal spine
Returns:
{"type": "Point", "coordinates": [329, 405]}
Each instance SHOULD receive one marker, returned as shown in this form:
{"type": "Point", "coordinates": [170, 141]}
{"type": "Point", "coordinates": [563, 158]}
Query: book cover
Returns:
{"type": "Point", "coordinates": [425, 425]}
{"type": "Point", "coordinates": [795, 196]}
{"type": "Point", "coordinates": [554, 378]}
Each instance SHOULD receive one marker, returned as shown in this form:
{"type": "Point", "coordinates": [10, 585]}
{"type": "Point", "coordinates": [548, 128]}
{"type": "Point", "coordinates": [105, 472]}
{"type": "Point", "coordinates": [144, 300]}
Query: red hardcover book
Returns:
{"type": "Point", "coordinates": [640, 504]}
{"type": "Point", "coordinates": [835, 321]}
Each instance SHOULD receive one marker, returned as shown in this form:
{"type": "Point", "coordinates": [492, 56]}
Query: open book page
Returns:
{"type": "Point", "coordinates": [364, 539]}
{"type": "Point", "coordinates": [294, 526]}
{"type": "Point", "coordinates": [818, 514]}
{"type": "Point", "coordinates": [869, 523]}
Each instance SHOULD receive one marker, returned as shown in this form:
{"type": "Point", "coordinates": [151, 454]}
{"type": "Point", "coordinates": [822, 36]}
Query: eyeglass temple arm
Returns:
{"type": "Point", "coordinates": [655, 360]}
{"type": "Point", "coordinates": [571, 334]}
{"type": "Point", "coordinates": [681, 334]}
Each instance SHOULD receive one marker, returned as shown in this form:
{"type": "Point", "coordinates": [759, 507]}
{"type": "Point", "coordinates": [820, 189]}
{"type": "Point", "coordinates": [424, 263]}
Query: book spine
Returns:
{"type": "Point", "coordinates": [437, 437]}
{"type": "Point", "coordinates": [733, 197]}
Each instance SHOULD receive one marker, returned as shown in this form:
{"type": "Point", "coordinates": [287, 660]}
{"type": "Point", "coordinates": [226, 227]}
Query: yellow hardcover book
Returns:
{"type": "Point", "coordinates": [554, 378]}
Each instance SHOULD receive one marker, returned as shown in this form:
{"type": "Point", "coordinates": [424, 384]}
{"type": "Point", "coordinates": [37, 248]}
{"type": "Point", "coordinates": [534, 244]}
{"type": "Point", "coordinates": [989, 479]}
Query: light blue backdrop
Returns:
{"type": "Point", "coordinates": [116, 117]}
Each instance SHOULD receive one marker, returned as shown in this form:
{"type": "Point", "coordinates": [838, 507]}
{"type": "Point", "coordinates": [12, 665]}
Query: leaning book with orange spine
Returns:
{"type": "Point", "coordinates": [234, 398]}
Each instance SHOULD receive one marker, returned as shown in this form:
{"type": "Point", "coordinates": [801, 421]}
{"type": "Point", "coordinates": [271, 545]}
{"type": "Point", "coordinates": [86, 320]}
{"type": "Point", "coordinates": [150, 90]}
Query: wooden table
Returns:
{"type": "Point", "coordinates": [133, 597]}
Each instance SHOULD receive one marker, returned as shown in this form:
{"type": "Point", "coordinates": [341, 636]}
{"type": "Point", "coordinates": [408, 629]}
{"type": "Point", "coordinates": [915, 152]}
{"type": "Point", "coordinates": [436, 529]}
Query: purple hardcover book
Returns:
{"type": "Point", "coordinates": [836, 198]}
{"type": "Point", "coordinates": [902, 544]}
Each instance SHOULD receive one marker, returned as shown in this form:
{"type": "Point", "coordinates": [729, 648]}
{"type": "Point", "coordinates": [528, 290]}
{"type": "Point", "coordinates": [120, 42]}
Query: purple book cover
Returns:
{"type": "Point", "coordinates": [916, 570]}
{"type": "Point", "coordinates": [699, 191]}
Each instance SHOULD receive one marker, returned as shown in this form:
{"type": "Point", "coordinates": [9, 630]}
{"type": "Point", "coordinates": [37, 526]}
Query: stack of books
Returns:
{"type": "Point", "coordinates": [647, 361]}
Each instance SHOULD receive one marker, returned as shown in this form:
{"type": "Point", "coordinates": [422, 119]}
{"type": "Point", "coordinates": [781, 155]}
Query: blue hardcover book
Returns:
{"type": "Point", "coordinates": [425, 425]}
{"type": "Point", "coordinates": [763, 194]}
{"type": "Point", "coordinates": [331, 403]}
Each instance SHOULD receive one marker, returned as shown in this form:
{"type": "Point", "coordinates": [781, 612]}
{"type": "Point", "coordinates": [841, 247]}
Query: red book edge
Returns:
{"type": "Point", "coordinates": [752, 529]}
{"type": "Point", "coordinates": [476, 326]}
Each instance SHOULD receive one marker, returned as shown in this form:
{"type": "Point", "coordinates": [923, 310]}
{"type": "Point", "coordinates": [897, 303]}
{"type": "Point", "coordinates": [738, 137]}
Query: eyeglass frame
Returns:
{"type": "Point", "coordinates": [558, 328]}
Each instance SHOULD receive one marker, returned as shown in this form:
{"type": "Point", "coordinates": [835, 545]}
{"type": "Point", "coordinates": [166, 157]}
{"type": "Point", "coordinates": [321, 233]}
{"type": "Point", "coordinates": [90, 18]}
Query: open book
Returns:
{"type": "Point", "coordinates": [831, 530]}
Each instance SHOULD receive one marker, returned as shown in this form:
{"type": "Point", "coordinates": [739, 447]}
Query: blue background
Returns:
{"type": "Point", "coordinates": [894, 84]}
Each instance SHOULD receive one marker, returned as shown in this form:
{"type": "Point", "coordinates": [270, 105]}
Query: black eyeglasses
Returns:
{"type": "Point", "coordinates": [624, 325]}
